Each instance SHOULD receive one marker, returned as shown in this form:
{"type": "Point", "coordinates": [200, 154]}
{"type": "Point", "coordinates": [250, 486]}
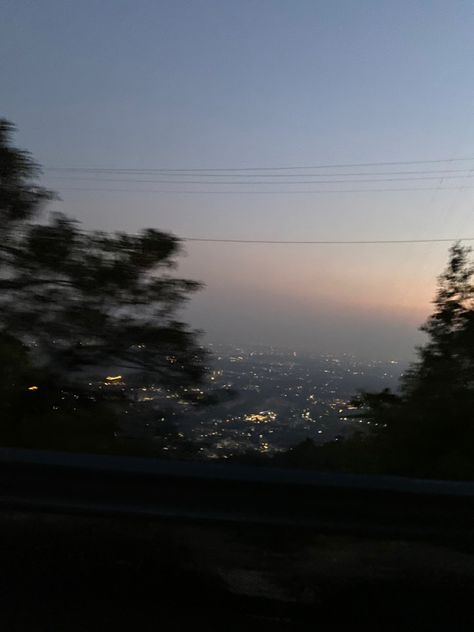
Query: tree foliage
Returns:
{"type": "Point", "coordinates": [428, 428]}
{"type": "Point", "coordinates": [76, 303]}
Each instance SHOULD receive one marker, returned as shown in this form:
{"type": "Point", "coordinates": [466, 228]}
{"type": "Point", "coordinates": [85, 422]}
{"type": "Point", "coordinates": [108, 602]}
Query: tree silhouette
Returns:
{"type": "Point", "coordinates": [75, 304]}
{"type": "Point", "coordinates": [428, 429]}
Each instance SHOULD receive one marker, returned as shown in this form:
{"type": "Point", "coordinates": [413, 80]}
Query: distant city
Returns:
{"type": "Point", "coordinates": [278, 398]}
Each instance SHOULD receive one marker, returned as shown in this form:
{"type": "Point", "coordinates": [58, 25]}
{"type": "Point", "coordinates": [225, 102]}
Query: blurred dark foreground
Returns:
{"type": "Point", "coordinates": [73, 560]}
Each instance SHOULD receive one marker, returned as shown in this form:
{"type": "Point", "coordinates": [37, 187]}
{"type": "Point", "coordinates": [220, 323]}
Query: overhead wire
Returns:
{"type": "Point", "coordinates": [248, 182]}
{"type": "Point", "coordinates": [439, 175]}
{"type": "Point", "coordinates": [275, 192]}
{"type": "Point", "coordinates": [325, 241]}
{"type": "Point", "coordinates": [267, 168]}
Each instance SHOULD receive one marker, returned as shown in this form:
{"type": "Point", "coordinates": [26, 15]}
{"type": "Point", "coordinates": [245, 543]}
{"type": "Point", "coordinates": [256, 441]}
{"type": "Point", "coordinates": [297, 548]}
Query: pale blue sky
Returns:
{"type": "Point", "coordinates": [143, 84]}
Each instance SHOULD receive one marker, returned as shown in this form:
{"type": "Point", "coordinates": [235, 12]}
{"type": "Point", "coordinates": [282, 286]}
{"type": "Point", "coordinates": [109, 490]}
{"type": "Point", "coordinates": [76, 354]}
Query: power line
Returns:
{"type": "Point", "coordinates": [326, 242]}
{"type": "Point", "coordinates": [247, 182]}
{"type": "Point", "coordinates": [97, 174]}
{"type": "Point", "coordinates": [276, 192]}
{"type": "Point", "coordinates": [277, 168]}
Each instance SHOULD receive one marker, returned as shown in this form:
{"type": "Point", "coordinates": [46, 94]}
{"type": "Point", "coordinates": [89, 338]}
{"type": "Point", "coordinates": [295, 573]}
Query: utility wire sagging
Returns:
{"type": "Point", "coordinates": [329, 242]}
{"type": "Point", "coordinates": [278, 168]}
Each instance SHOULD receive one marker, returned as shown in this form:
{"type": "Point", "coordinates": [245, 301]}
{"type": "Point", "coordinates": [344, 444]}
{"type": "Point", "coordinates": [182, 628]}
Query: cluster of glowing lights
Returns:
{"type": "Point", "coordinates": [112, 378]}
{"type": "Point", "coordinates": [264, 416]}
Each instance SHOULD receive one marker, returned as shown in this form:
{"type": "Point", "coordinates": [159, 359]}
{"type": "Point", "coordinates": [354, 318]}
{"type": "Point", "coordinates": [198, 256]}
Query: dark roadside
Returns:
{"type": "Point", "coordinates": [79, 573]}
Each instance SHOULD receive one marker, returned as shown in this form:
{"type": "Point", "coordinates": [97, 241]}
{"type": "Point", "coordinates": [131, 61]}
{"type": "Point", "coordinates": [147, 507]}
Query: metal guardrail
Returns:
{"type": "Point", "coordinates": [196, 491]}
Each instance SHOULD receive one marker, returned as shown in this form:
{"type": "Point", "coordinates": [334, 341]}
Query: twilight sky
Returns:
{"type": "Point", "coordinates": [143, 84]}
